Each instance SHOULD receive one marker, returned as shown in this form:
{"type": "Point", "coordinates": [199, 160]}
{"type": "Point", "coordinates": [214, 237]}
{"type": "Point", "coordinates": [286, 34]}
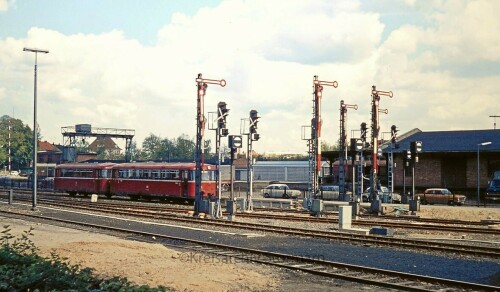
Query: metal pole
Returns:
{"type": "Point", "coordinates": [478, 174]}
{"type": "Point", "coordinates": [10, 159]}
{"type": "Point", "coordinates": [218, 212]}
{"type": "Point", "coordinates": [231, 179]}
{"type": "Point", "coordinates": [249, 202]}
{"type": "Point", "coordinates": [478, 180]}
{"type": "Point", "coordinates": [35, 146]}
{"type": "Point", "coordinates": [199, 140]}
{"type": "Point", "coordinates": [413, 180]}
{"type": "Point", "coordinates": [35, 137]}
{"type": "Point", "coordinates": [404, 178]}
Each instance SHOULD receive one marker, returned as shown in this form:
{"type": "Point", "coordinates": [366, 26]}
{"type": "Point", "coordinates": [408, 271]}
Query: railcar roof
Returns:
{"type": "Point", "coordinates": [85, 165]}
{"type": "Point", "coordinates": [163, 165]}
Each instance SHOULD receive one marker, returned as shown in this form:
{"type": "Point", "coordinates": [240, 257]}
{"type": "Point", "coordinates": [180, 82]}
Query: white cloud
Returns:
{"type": "Point", "coordinates": [6, 4]}
{"type": "Point", "coordinates": [268, 52]}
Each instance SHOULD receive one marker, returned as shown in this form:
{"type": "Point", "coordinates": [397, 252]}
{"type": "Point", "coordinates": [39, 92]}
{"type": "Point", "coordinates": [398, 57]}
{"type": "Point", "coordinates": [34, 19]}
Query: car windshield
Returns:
{"type": "Point", "coordinates": [446, 192]}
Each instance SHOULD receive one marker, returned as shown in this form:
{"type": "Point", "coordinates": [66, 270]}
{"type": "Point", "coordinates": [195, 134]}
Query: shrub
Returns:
{"type": "Point", "coordinates": [22, 269]}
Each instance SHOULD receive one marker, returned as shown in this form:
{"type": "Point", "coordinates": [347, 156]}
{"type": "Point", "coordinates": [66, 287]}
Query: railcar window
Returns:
{"type": "Point", "coordinates": [77, 173]}
{"type": "Point", "coordinates": [207, 175]}
{"type": "Point", "coordinates": [123, 173]}
{"type": "Point", "coordinates": [155, 174]}
{"type": "Point", "coordinates": [105, 173]}
{"type": "Point", "coordinates": [170, 174]}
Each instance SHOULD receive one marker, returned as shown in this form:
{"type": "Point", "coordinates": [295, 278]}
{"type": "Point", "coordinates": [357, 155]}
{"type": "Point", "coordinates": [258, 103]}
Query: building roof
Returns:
{"type": "Point", "coordinates": [103, 142]}
{"type": "Point", "coordinates": [46, 146]}
{"type": "Point", "coordinates": [450, 141]}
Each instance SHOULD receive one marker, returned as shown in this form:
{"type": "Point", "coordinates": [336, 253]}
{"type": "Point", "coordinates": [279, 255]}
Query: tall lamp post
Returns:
{"type": "Point", "coordinates": [478, 180]}
{"type": "Point", "coordinates": [35, 138]}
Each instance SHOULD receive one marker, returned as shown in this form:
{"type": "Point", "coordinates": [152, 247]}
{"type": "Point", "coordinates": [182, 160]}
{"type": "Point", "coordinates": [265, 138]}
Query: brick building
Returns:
{"type": "Point", "coordinates": [449, 159]}
{"type": "Point", "coordinates": [48, 153]}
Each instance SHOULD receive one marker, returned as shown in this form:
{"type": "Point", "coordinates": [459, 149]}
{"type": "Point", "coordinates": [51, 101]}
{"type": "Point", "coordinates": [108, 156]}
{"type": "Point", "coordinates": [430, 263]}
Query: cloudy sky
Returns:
{"type": "Point", "coordinates": [133, 64]}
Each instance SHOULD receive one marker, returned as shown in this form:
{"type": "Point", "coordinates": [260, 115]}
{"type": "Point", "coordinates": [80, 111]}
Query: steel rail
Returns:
{"type": "Point", "coordinates": [482, 251]}
{"type": "Point", "coordinates": [353, 273]}
{"type": "Point", "coordinates": [303, 212]}
{"type": "Point", "coordinates": [461, 229]}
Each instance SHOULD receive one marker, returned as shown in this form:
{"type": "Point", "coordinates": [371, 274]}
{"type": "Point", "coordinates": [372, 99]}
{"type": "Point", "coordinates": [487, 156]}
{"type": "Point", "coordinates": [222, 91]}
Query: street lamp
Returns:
{"type": "Point", "coordinates": [35, 138]}
{"type": "Point", "coordinates": [478, 180]}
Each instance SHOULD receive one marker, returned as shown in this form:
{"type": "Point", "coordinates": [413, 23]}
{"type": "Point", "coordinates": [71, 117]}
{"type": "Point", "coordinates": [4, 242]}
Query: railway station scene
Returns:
{"type": "Point", "coordinates": [230, 145]}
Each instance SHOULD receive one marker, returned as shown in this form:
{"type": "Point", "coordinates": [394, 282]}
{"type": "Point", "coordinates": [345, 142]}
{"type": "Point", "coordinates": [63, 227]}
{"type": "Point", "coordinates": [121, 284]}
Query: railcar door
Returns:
{"type": "Point", "coordinates": [184, 176]}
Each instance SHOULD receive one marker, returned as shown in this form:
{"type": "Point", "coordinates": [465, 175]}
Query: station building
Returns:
{"type": "Point", "coordinates": [449, 159]}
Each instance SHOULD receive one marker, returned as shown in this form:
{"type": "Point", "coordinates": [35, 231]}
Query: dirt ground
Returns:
{"type": "Point", "coordinates": [155, 264]}
{"type": "Point", "coordinates": [466, 213]}
{"type": "Point", "coordinates": [144, 263]}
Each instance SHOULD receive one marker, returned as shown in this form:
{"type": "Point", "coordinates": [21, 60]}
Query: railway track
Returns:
{"type": "Point", "coordinates": [406, 225]}
{"type": "Point", "coordinates": [159, 213]}
{"type": "Point", "coordinates": [395, 222]}
{"type": "Point", "coordinates": [354, 273]}
{"type": "Point", "coordinates": [303, 215]}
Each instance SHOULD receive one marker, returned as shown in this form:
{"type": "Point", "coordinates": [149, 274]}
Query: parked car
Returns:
{"type": "Point", "coordinates": [493, 190]}
{"type": "Point", "coordinates": [280, 191]}
{"type": "Point", "coordinates": [383, 193]}
{"type": "Point", "coordinates": [441, 196]}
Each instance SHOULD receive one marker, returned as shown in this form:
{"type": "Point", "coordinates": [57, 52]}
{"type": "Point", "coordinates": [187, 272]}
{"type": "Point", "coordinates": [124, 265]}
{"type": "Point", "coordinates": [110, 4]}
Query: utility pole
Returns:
{"type": "Point", "coordinates": [9, 153]}
{"type": "Point", "coordinates": [35, 128]}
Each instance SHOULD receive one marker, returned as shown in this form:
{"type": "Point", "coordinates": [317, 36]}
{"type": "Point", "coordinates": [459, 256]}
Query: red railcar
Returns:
{"type": "Point", "coordinates": [159, 179]}
{"type": "Point", "coordinates": [83, 178]}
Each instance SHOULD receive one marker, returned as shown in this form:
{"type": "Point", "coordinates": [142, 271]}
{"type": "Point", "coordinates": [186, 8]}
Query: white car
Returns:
{"type": "Point", "coordinates": [280, 191]}
{"type": "Point", "coordinates": [396, 198]}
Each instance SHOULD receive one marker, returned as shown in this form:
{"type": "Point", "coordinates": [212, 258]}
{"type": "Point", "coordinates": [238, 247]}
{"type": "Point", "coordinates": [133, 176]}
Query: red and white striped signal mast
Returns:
{"type": "Point", "coordinates": [316, 134]}
{"type": "Point", "coordinates": [375, 130]}
{"type": "Point", "coordinates": [202, 85]}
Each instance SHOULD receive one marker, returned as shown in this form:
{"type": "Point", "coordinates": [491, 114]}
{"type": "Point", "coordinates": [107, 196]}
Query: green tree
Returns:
{"type": "Point", "coordinates": [82, 146]}
{"type": "Point", "coordinates": [325, 146]}
{"type": "Point", "coordinates": [135, 152]}
{"type": "Point", "coordinates": [151, 147]}
{"type": "Point", "coordinates": [184, 147]}
{"type": "Point", "coordinates": [21, 142]}
{"type": "Point", "coordinates": [164, 149]}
